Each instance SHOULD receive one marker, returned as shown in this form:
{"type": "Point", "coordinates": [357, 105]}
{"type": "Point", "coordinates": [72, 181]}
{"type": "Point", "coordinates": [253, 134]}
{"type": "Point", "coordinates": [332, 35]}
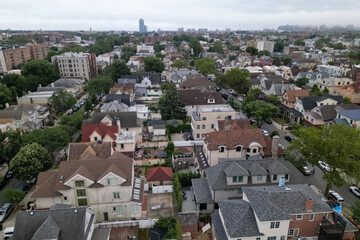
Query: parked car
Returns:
{"type": "Point", "coordinates": [82, 103]}
{"type": "Point", "coordinates": [281, 146]}
{"type": "Point", "coordinates": [306, 171]}
{"type": "Point", "coordinates": [231, 90]}
{"type": "Point", "coordinates": [8, 232]}
{"type": "Point", "coordinates": [355, 190]}
{"type": "Point", "coordinates": [265, 132]}
{"type": "Point", "coordinates": [240, 99]}
{"type": "Point", "coordinates": [289, 138]}
{"type": "Point", "coordinates": [335, 196]}
{"type": "Point", "coordinates": [253, 122]}
{"type": "Point", "coordinates": [234, 94]}
{"type": "Point", "coordinates": [70, 112]}
{"type": "Point", "coordinates": [5, 211]}
{"type": "Point", "coordinates": [324, 166]}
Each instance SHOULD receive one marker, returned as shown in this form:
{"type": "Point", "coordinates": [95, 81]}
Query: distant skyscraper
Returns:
{"type": "Point", "coordinates": [142, 26]}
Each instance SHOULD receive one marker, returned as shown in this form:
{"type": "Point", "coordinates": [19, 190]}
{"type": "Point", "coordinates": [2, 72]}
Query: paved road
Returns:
{"type": "Point", "coordinates": [317, 178]}
{"type": "Point", "coordinates": [13, 183]}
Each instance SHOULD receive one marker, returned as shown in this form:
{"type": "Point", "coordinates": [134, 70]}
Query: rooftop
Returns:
{"type": "Point", "coordinates": [126, 137]}
{"type": "Point", "coordinates": [224, 108]}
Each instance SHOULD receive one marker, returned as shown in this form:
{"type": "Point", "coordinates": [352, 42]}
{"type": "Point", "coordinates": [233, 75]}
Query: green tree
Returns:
{"type": "Point", "coordinates": [338, 145]}
{"type": "Point", "coordinates": [238, 79]}
{"type": "Point", "coordinates": [179, 63]}
{"type": "Point", "coordinates": [159, 47]}
{"type": "Point", "coordinates": [5, 95]}
{"type": "Point", "coordinates": [100, 84]}
{"type": "Point", "coordinates": [205, 66]}
{"type": "Point", "coordinates": [279, 46]}
{"type": "Point", "coordinates": [319, 44]}
{"type": "Point", "coordinates": [15, 80]}
{"type": "Point", "coordinates": [231, 101]}
{"type": "Point", "coordinates": [217, 47]}
{"type": "Point", "coordinates": [88, 105]}
{"type": "Point", "coordinates": [272, 99]}
{"type": "Point", "coordinates": [53, 48]}
{"type": "Point", "coordinates": [252, 50]}
{"type": "Point", "coordinates": [355, 212]}
{"type": "Point", "coordinates": [39, 71]}
{"type": "Point", "coordinates": [116, 70]}
{"type": "Point", "coordinates": [326, 90]}
{"type": "Point", "coordinates": [50, 54]}
{"type": "Point", "coordinates": [300, 82]}
{"type": "Point", "coordinates": [260, 110]}
{"type": "Point", "coordinates": [13, 195]}
{"type": "Point", "coordinates": [347, 100]}
{"type": "Point", "coordinates": [315, 90]}
{"type": "Point", "coordinates": [172, 106]}
{"type": "Point", "coordinates": [61, 101]}
{"type": "Point", "coordinates": [263, 53]}
{"type": "Point", "coordinates": [286, 60]}
{"type": "Point", "coordinates": [274, 133]}
{"type": "Point", "coordinates": [153, 64]}
{"type": "Point", "coordinates": [159, 55]}
{"type": "Point", "coordinates": [73, 122]}
{"type": "Point", "coordinates": [30, 161]}
{"type": "Point", "coordinates": [196, 46]}
{"type": "Point", "coordinates": [299, 42]}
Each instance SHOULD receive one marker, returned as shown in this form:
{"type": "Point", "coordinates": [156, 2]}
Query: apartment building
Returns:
{"type": "Point", "coordinates": [11, 58]}
{"type": "Point", "coordinates": [266, 46]}
{"type": "Point", "coordinates": [205, 118]}
{"type": "Point", "coordinates": [76, 65]}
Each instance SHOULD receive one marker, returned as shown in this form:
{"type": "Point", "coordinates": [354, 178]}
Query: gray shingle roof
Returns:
{"type": "Point", "coordinates": [234, 169]}
{"type": "Point", "coordinates": [156, 123]}
{"type": "Point", "coordinates": [218, 227]}
{"type": "Point", "coordinates": [127, 119]}
{"type": "Point", "coordinates": [239, 219]}
{"type": "Point", "coordinates": [41, 224]}
{"type": "Point", "coordinates": [201, 190]}
{"type": "Point", "coordinates": [277, 203]}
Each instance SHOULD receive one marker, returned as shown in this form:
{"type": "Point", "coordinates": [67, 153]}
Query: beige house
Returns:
{"type": "Point", "coordinates": [107, 186]}
{"type": "Point", "coordinates": [7, 125]}
{"type": "Point", "coordinates": [291, 96]}
{"type": "Point", "coordinates": [206, 117]}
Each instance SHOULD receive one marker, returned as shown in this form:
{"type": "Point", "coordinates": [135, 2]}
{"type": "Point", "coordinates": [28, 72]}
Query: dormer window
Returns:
{"type": "Point", "coordinates": [237, 179]}
{"type": "Point", "coordinates": [238, 148]}
{"type": "Point", "coordinates": [221, 149]}
{"type": "Point", "coordinates": [211, 100]}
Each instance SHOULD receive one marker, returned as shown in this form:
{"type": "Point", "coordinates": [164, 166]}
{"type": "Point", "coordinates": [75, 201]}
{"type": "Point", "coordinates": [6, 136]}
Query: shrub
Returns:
{"type": "Point", "coordinates": [274, 133]}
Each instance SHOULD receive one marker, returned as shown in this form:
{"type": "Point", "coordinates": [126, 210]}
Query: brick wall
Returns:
{"type": "Point", "coordinates": [306, 227]}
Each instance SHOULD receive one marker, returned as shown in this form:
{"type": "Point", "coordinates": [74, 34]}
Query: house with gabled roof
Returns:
{"type": "Point", "coordinates": [157, 176]}
{"type": "Point", "coordinates": [348, 117]}
{"type": "Point", "coordinates": [106, 185]}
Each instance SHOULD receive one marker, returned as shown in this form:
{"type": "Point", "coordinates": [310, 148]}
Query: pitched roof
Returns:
{"type": "Point", "coordinates": [159, 174]}
{"type": "Point", "coordinates": [192, 81]}
{"type": "Point", "coordinates": [62, 224]}
{"type": "Point", "coordinates": [127, 119]}
{"type": "Point", "coordinates": [155, 78]}
{"type": "Point", "coordinates": [352, 114]}
{"type": "Point", "coordinates": [196, 97]}
{"type": "Point", "coordinates": [278, 203]}
{"type": "Point", "coordinates": [79, 150]}
{"type": "Point", "coordinates": [93, 170]}
{"type": "Point", "coordinates": [239, 219]}
{"type": "Point", "coordinates": [201, 190]}
{"type": "Point", "coordinates": [101, 129]}
{"type": "Point", "coordinates": [240, 123]}
{"type": "Point", "coordinates": [293, 94]}
{"type": "Point", "coordinates": [125, 98]}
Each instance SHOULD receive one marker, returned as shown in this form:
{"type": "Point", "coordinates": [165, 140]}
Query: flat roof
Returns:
{"type": "Point", "coordinates": [126, 137]}
{"type": "Point", "coordinates": [223, 108]}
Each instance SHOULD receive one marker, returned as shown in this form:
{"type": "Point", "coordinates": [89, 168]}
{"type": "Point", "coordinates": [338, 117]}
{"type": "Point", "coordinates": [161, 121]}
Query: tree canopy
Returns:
{"type": "Point", "coordinates": [172, 106]}
{"type": "Point", "coordinates": [263, 53]}
{"type": "Point", "coordinates": [116, 70]}
{"type": "Point", "coordinates": [196, 46]}
{"type": "Point", "coordinates": [301, 81]}
{"type": "Point", "coordinates": [299, 42]}
{"type": "Point", "coordinates": [30, 160]}
{"type": "Point", "coordinates": [153, 64]}
{"type": "Point", "coordinates": [15, 80]}
{"type": "Point", "coordinates": [13, 195]}
{"type": "Point", "coordinates": [260, 110]}
{"type": "Point", "coordinates": [217, 47]}
{"type": "Point", "coordinates": [315, 90]}
{"type": "Point", "coordinates": [252, 50]}
{"type": "Point", "coordinates": [279, 46]}
{"type": "Point", "coordinates": [205, 66]}
{"type": "Point", "coordinates": [238, 79]}
{"type": "Point", "coordinates": [337, 145]}
{"type": "Point", "coordinates": [179, 63]}
{"type": "Point", "coordinates": [5, 95]}
{"type": "Point", "coordinates": [61, 101]}
{"type": "Point", "coordinates": [73, 122]}
{"type": "Point", "coordinates": [39, 71]}
{"type": "Point", "coordinates": [100, 84]}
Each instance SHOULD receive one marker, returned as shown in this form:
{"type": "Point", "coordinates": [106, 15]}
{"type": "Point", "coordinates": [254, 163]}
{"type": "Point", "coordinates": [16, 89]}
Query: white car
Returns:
{"type": "Point", "coordinates": [231, 91]}
{"type": "Point", "coordinates": [8, 232]}
{"type": "Point", "coordinates": [335, 196]}
{"type": "Point", "coordinates": [281, 146]}
{"type": "Point", "coordinates": [265, 132]}
{"type": "Point", "coordinates": [355, 190]}
{"type": "Point", "coordinates": [324, 166]}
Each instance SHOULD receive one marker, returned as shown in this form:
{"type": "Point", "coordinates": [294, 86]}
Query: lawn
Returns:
{"type": "Point", "coordinates": [143, 234]}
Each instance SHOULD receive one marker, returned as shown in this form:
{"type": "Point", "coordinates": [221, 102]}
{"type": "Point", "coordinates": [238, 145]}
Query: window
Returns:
{"type": "Point", "coordinates": [198, 135]}
{"type": "Point", "coordinates": [291, 232]}
{"type": "Point", "coordinates": [111, 181]}
{"type": "Point", "coordinates": [122, 146]}
{"type": "Point", "coordinates": [282, 238]}
{"type": "Point", "coordinates": [81, 193]}
{"type": "Point", "coordinates": [218, 117]}
{"type": "Point", "coordinates": [258, 238]}
{"type": "Point", "coordinates": [271, 238]}
{"type": "Point", "coordinates": [198, 126]}
{"type": "Point", "coordinates": [274, 224]}
{"type": "Point", "coordinates": [312, 216]}
{"type": "Point", "coordinates": [238, 179]}
{"type": "Point", "coordinates": [259, 178]}
{"type": "Point", "coordinates": [221, 149]}
{"type": "Point", "coordinates": [95, 138]}
{"type": "Point", "coordinates": [135, 208]}
{"type": "Point", "coordinates": [80, 183]}
{"type": "Point", "coordinates": [326, 215]}
{"type": "Point", "coordinates": [82, 202]}
{"type": "Point", "coordinates": [286, 176]}
{"type": "Point", "coordinates": [274, 177]}
{"type": "Point", "coordinates": [203, 206]}
{"type": "Point", "coordinates": [118, 210]}
{"type": "Point", "coordinates": [238, 148]}
{"type": "Point", "coordinates": [296, 232]}
{"type": "Point", "coordinates": [254, 150]}
{"type": "Point", "coordinates": [299, 217]}
{"type": "Point", "coordinates": [204, 118]}
{"type": "Point", "coordinates": [212, 126]}
{"type": "Point", "coordinates": [116, 195]}
{"type": "Point", "coordinates": [239, 191]}
{"type": "Point", "coordinates": [277, 224]}
{"type": "Point", "coordinates": [203, 126]}
{"type": "Point", "coordinates": [65, 198]}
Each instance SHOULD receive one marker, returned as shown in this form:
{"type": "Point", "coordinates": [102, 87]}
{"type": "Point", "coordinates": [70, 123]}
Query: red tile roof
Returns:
{"type": "Point", "coordinates": [234, 124]}
{"type": "Point", "coordinates": [101, 129]}
{"type": "Point", "coordinates": [159, 174]}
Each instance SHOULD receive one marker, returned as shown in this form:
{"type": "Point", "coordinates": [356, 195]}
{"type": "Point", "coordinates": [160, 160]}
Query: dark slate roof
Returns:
{"type": "Point", "coordinates": [310, 101]}
{"type": "Point", "coordinates": [352, 114]}
{"type": "Point", "coordinates": [50, 224]}
{"type": "Point", "coordinates": [128, 79]}
{"type": "Point", "coordinates": [278, 203]}
{"type": "Point", "coordinates": [294, 112]}
{"type": "Point", "coordinates": [218, 227]}
{"type": "Point", "coordinates": [125, 98]}
{"type": "Point", "coordinates": [234, 169]}
{"type": "Point", "coordinates": [156, 122]}
{"type": "Point", "coordinates": [153, 77]}
{"type": "Point", "coordinates": [196, 97]}
{"type": "Point", "coordinates": [201, 190]}
{"type": "Point", "coordinates": [239, 219]}
{"type": "Point", "coordinates": [127, 119]}
{"type": "Point", "coordinates": [255, 81]}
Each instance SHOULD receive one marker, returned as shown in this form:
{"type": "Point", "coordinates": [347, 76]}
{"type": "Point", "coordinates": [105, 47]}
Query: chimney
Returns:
{"type": "Point", "coordinates": [119, 126]}
{"type": "Point", "coordinates": [275, 146]}
{"type": "Point", "coordinates": [309, 204]}
{"type": "Point", "coordinates": [52, 84]}
{"type": "Point", "coordinates": [6, 105]}
{"type": "Point", "coordinates": [39, 85]}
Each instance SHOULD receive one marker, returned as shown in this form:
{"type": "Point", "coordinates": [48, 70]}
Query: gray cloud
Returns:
{"type": "Point", "coordinates": [124, 14]}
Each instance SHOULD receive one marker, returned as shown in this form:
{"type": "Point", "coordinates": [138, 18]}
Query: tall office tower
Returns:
{"type": "Point", "coordinates": [142, 26]}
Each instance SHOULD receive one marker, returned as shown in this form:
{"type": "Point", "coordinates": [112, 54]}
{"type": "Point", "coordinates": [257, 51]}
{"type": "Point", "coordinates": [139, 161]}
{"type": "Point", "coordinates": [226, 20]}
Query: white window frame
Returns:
{"type": "Point", "coordinates": [299, 218]}
{"type": "Point", "coordinates": [116, 195]}
{"type": "Point", "coordinates": [312, 217]}
{"type": "Point", "coordinates": [111, 181]}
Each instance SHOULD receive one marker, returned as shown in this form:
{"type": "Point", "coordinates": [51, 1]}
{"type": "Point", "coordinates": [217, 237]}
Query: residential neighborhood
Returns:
{"type": "Point", "coordinates": [180, 134]}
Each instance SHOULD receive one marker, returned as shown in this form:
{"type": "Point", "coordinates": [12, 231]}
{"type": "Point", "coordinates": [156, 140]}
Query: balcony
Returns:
{"type": "Point", "coordinates": [196, 116]}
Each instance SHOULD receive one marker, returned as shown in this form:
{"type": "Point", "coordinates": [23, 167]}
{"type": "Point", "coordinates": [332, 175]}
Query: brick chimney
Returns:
{"type": "Point", "coordinates": [275, 146]}
{"type": "Point", "coordinates": [309, 204]}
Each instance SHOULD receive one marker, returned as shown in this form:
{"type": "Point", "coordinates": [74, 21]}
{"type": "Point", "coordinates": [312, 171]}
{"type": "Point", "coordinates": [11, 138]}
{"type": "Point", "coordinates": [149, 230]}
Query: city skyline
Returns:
{"type": "Point", "coordinates": [255, 15]}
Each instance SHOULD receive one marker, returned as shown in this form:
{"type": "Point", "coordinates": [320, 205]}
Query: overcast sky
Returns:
{"type": "Point", "coordinates": [170, 15]}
